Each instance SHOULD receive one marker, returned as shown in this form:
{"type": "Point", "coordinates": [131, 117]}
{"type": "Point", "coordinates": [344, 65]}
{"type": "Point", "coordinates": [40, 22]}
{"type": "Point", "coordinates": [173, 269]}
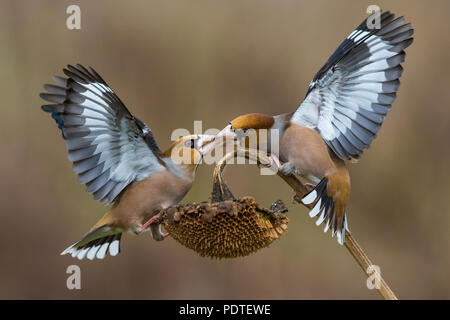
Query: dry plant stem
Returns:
{"type": "Point", "coordinates": [350, 243]}
{"type": "Point", "coordinates": [364, 261]}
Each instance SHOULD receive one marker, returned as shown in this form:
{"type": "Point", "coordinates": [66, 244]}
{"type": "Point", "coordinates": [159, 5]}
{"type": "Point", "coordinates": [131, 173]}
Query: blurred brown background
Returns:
{"type": "Point", "coordinates": [173, 62]}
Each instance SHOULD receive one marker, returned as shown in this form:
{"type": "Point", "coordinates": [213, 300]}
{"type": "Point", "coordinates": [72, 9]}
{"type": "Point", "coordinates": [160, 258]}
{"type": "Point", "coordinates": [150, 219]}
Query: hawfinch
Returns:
{"type": "Point", "coordinates": [116, 156]}
{"type": "Point", "coordinates": [341, 114]}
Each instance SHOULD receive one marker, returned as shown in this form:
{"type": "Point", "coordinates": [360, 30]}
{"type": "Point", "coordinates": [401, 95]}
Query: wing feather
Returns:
{"type": "Point", "coordinates": [109, 147]}
{"type": "Point", "coordinates": [351, 94]}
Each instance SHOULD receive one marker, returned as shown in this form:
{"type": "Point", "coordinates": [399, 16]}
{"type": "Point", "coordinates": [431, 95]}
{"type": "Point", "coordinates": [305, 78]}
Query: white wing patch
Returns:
{"type": "Point", "coordinates": [105, 144]}
{"type": "Point", "coordinates": [351, 94]}
{"type": "Point", "coordinates": [96, 248]}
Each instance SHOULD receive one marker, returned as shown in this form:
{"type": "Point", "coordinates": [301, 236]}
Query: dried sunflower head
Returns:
{"type": "Point", "coordinates": [225, 229]}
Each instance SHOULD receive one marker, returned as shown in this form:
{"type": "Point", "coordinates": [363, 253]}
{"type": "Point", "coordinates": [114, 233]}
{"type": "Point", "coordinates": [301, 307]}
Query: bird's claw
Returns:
{"type": "Point", "coordinates": [309, 186]}
{"type": "Point", "coordinates": [157, 235]}
{"type": "Point", "coordinates": [287, 168]}
{"type": "Point", "coordinates": [150, 221]}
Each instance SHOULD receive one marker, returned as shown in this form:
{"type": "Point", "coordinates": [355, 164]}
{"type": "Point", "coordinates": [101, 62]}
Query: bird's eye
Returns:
{"type": "Point", "coordinates": [190, 143]}
{"type": "Point", "coordinates": [245, 130]}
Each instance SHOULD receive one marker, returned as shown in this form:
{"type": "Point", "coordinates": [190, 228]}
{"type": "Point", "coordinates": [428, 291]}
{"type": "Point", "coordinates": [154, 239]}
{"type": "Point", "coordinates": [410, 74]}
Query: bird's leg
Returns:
{"type": "Point", "coordinates": [156, 232]}
{"type": "Point", "coordinates": [276, 160]}
{"type": "Point", "coordinates": [150, 221]}
{"type": "Point", "coordinates": [155, 228]}
{"type": "Point", "coordinates": [309, 186]}
{"type": "Point", "coordinates": [287, 168]}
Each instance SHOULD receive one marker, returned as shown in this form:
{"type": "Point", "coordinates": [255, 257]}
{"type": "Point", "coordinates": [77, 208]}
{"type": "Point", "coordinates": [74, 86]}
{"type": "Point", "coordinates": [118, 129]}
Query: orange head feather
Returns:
{"type": "Point", "coordinates": [188, 151]}
{"type": "Point", "coordinates": [252, 121]}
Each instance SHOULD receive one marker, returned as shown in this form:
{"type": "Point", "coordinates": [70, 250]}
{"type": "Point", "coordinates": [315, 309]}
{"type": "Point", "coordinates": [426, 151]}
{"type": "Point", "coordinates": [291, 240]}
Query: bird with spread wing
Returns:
{"type": "Point", "coordinates": [344, 108]}
{"type": "Point", "coordinates": [116, 156]}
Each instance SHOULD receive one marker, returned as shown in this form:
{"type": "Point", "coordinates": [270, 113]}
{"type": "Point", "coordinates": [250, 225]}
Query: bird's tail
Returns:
{"type": "Point", "coordinates": [96, 243]}
{"type": "Point", "coordinates": [325, 207]}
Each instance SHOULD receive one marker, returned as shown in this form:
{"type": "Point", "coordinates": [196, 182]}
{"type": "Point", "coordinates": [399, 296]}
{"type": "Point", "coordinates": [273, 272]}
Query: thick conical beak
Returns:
{"type": "Point", "coordinates": [226, 133]}
{"type": "Point", "coordinates": [207, 143]}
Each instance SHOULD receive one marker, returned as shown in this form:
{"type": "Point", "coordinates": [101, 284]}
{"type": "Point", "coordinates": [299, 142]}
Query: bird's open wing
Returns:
{"type": "Point", "coordinates": [109, 147]}
{"type": "Point", "coordinates": [352, 93]}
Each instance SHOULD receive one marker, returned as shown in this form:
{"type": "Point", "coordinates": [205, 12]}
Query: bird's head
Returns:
{"type": "Point", "coordinates": [241, 126]}
{"type": "Point", "coordinates": [189, 150]}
